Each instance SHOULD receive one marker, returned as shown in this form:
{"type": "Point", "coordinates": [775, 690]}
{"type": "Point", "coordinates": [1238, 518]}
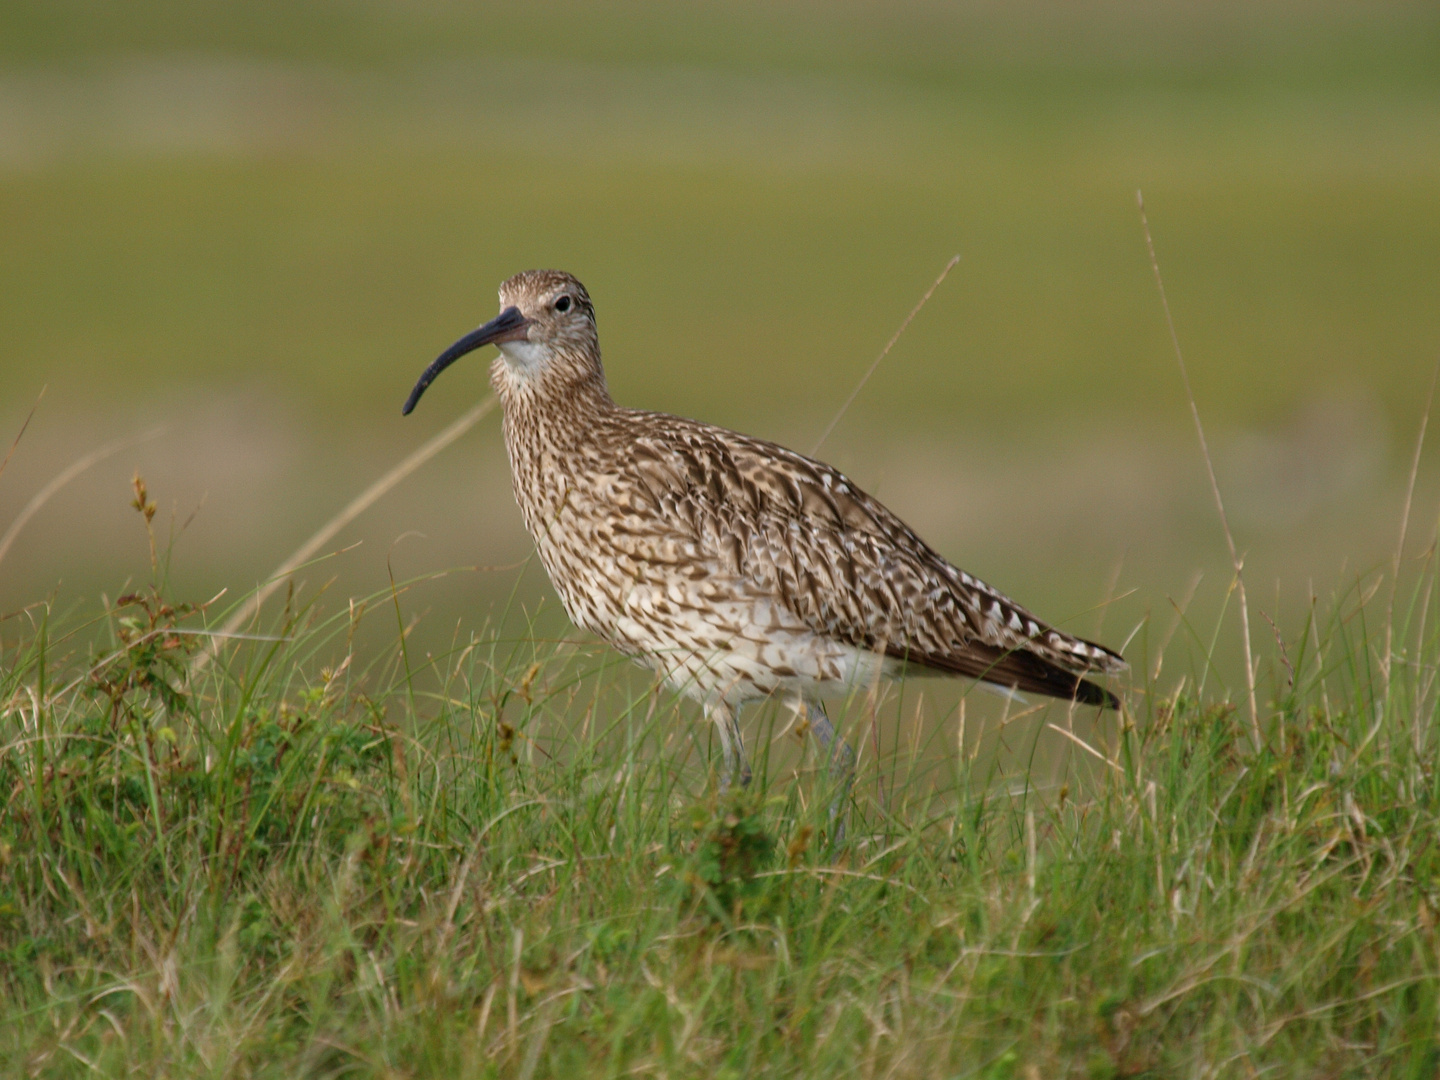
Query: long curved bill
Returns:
{"type": "Point", "coordinates": [509, 325]}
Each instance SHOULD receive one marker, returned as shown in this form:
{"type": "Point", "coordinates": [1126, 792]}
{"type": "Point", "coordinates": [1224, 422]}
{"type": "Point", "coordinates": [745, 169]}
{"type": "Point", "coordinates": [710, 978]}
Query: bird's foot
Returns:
{"type": "Point", "coordinates": [729, 775]}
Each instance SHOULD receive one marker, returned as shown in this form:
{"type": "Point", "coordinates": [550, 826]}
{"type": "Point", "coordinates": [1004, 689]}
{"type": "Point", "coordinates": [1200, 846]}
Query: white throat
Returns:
{"type": "Point", "coordinates": [524, 359]}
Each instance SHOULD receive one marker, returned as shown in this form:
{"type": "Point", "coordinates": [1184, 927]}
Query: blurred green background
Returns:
{"type": "Point", "coordinates": [253, 224]}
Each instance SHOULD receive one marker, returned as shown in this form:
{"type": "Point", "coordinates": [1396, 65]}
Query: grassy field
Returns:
{"type": "Point", "coordinates": [509, 859]}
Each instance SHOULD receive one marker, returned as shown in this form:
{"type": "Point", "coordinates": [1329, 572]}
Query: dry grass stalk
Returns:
{"type": "Point", "coordinates": [75, 469]}
{"type": "Point", "coordinates": [1235, 560]}
{"type": "Point", "coordinates": [21, 433]}
{"type": "Point", "coordinates": [883, 353]}
{"type": "Point", "coordinates": [357, 506]}
{"type": "Point", "coordinates": [1400, 542]}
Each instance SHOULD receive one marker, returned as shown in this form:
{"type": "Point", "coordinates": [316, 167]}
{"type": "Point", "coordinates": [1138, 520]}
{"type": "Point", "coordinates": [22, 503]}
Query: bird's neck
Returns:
{"type": "Point", "coordinates": [555, 408]}
{"type": "Point", "coordinates": [550, 437]}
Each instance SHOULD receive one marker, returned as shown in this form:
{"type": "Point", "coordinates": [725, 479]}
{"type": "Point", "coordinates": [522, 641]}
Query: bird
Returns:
{"type": "Point", "coordinates": [734, 568]}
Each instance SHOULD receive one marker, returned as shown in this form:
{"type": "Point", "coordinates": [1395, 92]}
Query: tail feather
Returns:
{"type": "Point", "coordinates": [1018, 669]}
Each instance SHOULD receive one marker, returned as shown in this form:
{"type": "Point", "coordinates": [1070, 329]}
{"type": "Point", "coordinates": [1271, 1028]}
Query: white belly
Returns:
{"type": "Point", "coordinates": [739, 650]}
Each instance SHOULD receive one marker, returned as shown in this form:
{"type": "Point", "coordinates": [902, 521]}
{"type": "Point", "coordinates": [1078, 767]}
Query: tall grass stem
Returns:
{"type": "Point", "coordinates": [1235, 559]}
{"type": "Point", "coordinates": [356, 507]}
{"type": "Point", "coordinates": [77, 467]}
{"type": "Point", "coordinates": [1400, 541]}
{"type": "Point", "coordinates": [23, 427]}
{"type": "Point", "coordinates": [883, 353]}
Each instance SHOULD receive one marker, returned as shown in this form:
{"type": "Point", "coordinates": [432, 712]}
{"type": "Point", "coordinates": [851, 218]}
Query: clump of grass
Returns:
{"type": "Point", "coordinates": [506, 861]}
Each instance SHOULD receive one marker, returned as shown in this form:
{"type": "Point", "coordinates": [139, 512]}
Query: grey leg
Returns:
{"type": "Point", "coordinates": [732, 745]}
{"type": "Point", "coordinates": [840, 763]}
{"type": "Point", "coordinates": [838, 755]}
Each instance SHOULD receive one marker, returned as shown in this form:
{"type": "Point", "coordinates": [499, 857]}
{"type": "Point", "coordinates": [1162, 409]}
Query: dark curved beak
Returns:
{"type": "Point", "coordinates": [509, 325]}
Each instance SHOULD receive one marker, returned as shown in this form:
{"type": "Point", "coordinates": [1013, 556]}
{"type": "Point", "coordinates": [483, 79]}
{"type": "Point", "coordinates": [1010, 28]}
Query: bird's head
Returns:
{"type": "Point", "coordinates": [545, 332]}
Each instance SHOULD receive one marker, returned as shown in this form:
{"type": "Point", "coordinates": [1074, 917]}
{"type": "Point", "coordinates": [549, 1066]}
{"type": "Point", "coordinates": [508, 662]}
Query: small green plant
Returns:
{"type": "Point", "coordinates": [725, 843]}
{"type": "Point", "coordinates": [151, 665]}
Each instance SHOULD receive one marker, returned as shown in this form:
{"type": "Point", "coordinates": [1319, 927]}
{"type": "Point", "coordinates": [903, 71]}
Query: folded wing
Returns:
{"type": "Point", "coordinates": [849, 568]}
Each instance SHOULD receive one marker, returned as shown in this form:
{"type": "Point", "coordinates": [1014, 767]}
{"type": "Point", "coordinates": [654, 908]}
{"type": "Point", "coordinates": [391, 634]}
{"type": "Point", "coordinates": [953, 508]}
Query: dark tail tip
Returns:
{"type": "Point", "coordinates": [1087, 693]}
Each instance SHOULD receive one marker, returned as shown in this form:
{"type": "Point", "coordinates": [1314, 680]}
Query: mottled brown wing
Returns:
{"type": "Point", "coordinates": [848, 567]}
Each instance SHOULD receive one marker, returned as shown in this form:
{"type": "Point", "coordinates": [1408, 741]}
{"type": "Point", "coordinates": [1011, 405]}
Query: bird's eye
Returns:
{"type": "Point", "coordinates": [563, 304]}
